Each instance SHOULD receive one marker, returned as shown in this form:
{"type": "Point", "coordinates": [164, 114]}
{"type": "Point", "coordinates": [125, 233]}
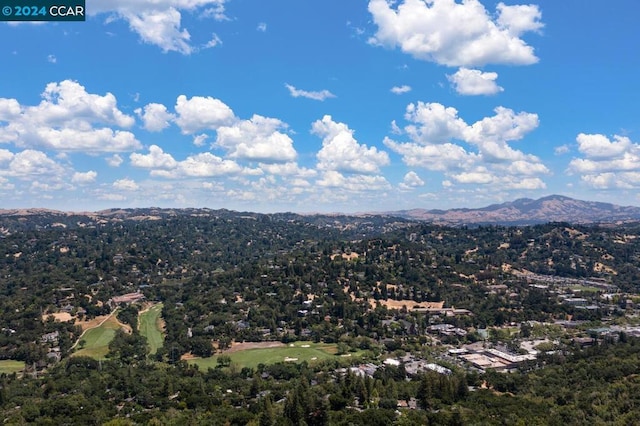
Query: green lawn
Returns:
{"type": "Point", "coordinates": [8, 366]}
{"type": "Point", "coordinates": [149, 326]}
{"type": "Point", "coordinates": [97, 339]}
{"type": "Point", "coordinates": [299, 352]}
{"type": "Point", "coordinates": [585, 289]}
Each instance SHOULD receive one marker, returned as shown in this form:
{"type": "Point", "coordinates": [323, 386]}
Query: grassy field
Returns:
{"type": "Point", "coordinates": [8, 366]}
{"type": "Point", "coordinates": [97, 339]}
{"type": "Point", "coordinates": [585, 289]}
{"type": "Point", "coordinates": [149, 324]}
{"type": "Point", "coordinates": [294, 352]}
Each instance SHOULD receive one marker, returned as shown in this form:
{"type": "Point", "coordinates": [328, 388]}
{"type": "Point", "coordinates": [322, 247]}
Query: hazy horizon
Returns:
{"type": "Point", "coordinates": [302, 212]}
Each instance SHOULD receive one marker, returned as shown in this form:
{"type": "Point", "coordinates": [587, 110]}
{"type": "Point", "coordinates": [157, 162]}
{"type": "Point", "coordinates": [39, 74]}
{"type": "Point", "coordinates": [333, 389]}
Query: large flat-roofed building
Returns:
{"type": "Point", "coordinates": [126, 299]}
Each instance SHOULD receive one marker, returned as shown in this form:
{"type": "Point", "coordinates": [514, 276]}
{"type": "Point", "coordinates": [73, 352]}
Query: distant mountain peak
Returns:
{"type": "Point", "coordinates": [526, 211]}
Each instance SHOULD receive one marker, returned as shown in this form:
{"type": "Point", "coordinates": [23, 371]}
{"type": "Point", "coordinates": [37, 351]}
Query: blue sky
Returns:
{"type": "Point", "coordinates": [348, 106]}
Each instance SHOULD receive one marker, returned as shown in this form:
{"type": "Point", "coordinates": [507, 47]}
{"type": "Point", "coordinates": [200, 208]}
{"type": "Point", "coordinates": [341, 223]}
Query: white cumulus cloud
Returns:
{"type": "Point", "coordinates": [506, 125]}
{"type": "Point", "coordinates": [341, 151]}
{"type": "Point", "coordinates": [69, 100]}
{"type": "Point", "coordinates": [202, 113]}
{"type": "Point", "coordinates": [483, 176]}
{"type": "Point", "coordinates": [258, 139]}
{"type": "Point", "coordinates": [29, 163]}
{"type": "Point", "coordinates": [519, 19]}
{"type": "Point", "coordinates": [159, 22]}
{"type": "Point", "coordinates": [412, 179]}
{"type": "Point", "coordinates": [287, 169]}
{"type": "Point", "coordinates": [475, 82]}
{"type": "Point", "coordinates": [162, 28]}
{"type": "Point", "coordinates": [84, 178]}
{"type": "Point", "coordinates": [456, 34]}
{"type": "Point", "coordinates": [68, 119]}
{"type": "Point", "coordinates": [435, 133]}
{"type": "Point", "coordinates": [607, 163]}
{"type": "Point", "coordinates": [9, 109]}
{"type": "Point", "coordinates": [155, 117]}
{"type": "Point", "coordinates": [90, 140]}
{"type": "Point", "coordinates": [433, 123]}
{"type": "Point", "coordinates": [440, 157]}
{"type": "Point", "coordinates": [5, 156]}
{"type": "Point", "coordinates": [114, 161]}
{"type": "Point", "coordinates": [200, 165]}
{"type": "Point", "coordinates": [156, 159]}
{"type": "Point", "coordinates": [478, 176]}
{"type": "Point", "coordinates": [126, 185]}
{"type": "Point", "coordinates": [600, 147]}
{"type": "Point", "coordinates": [353, 183]}
{"type": "Point", "coordinates": [40, 187]}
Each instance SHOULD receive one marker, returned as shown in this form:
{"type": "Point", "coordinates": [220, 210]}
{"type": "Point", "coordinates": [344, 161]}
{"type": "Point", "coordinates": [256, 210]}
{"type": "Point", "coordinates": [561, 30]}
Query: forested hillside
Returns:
{"type": "Point", "coordinates": [412, 323]}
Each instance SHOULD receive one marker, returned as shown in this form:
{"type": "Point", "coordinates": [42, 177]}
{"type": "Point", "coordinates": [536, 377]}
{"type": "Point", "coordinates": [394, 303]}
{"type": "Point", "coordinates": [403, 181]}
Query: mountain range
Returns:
{"type": "Point", "coordinates": [526, 211]}
{"type": "Point", "coordinates": [523, 211]}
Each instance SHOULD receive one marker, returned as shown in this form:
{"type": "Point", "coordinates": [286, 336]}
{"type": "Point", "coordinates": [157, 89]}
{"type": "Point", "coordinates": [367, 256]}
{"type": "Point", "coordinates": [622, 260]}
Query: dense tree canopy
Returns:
{"type": "Point", "coordinates": [226, 277]}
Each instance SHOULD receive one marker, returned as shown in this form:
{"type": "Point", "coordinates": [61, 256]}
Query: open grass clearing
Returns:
{"type": "Point", "coordinates": [292, 352]}
{"type": "Point", "coordinates": [150, 326]}
{"type": "Point", "coordinates": [96, 340]}
{"type": "Point", "coordinates": [8, 366]}
{"type": "Point", "coordinates": [585, 289]}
